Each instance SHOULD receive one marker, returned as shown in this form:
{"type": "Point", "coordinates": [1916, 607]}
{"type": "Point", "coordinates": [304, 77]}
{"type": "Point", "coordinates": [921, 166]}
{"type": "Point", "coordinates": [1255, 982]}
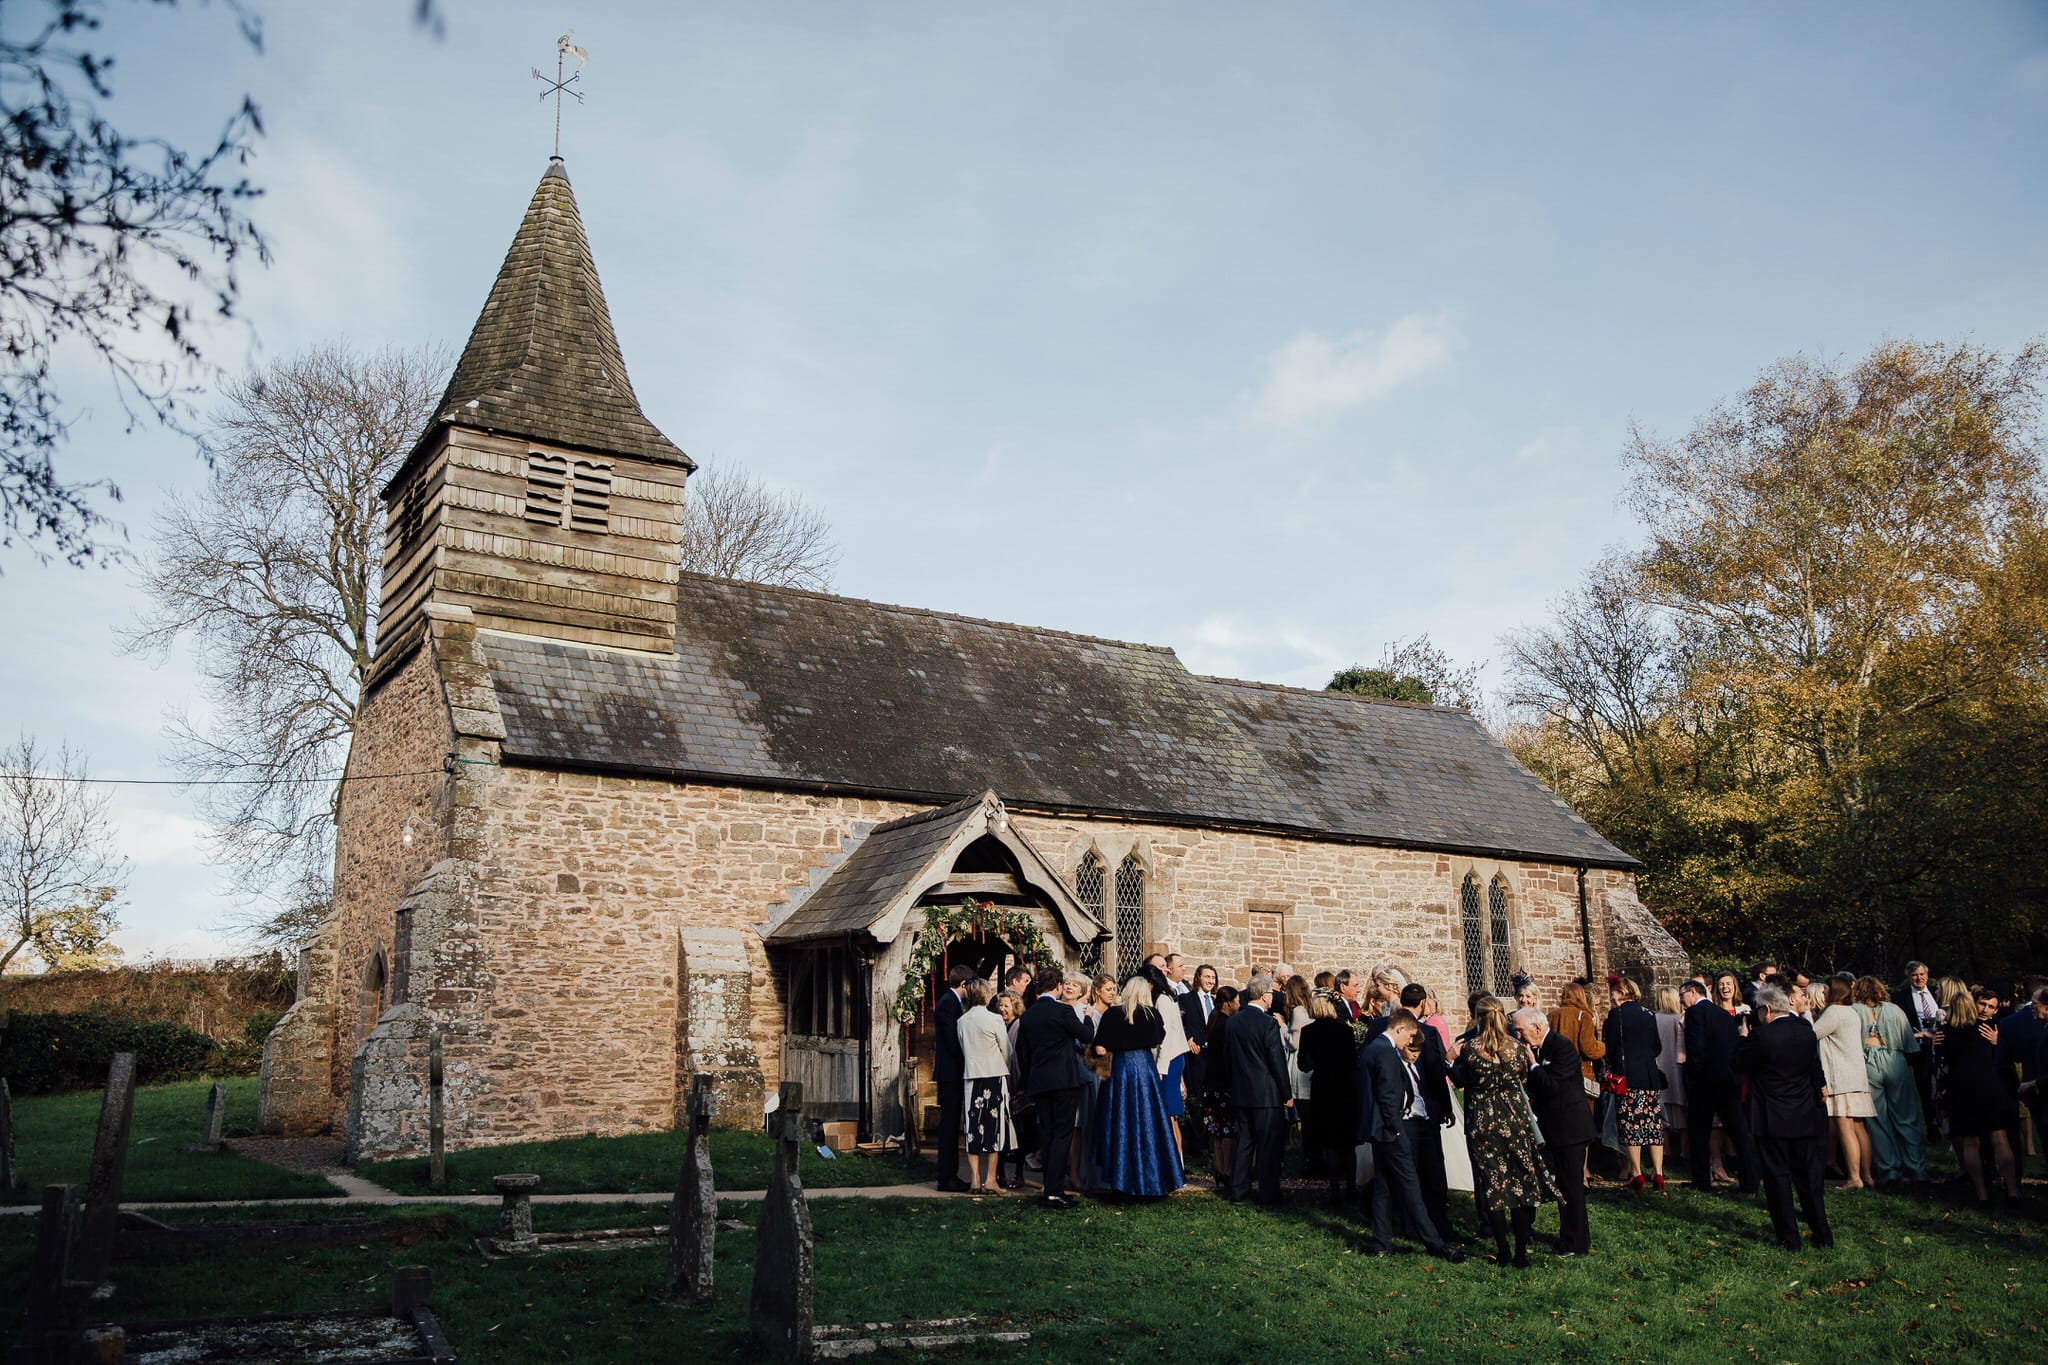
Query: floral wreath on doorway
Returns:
{"type": "Point", "coordinates": [968, 919]}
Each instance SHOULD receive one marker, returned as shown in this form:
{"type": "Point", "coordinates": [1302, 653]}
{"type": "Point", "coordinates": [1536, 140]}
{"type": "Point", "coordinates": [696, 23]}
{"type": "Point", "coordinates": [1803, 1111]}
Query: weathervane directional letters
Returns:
{"type": "Point", "coordinates": [558, 87]}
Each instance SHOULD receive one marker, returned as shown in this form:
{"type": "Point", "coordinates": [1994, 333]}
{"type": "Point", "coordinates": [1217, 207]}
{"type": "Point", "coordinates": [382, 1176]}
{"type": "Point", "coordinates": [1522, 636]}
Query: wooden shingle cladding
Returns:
{"type": "Point", "coordinates": [476, 547]}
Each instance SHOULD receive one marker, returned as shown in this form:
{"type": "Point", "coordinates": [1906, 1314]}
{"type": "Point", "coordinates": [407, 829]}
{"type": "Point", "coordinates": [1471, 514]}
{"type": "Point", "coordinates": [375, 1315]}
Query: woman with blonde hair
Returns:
{"type": "Point", "coordinates": [1511, 1171]}
{"type": "Point", "coordinates": [1329, 1056]}
{"type": "Point", "coordinates": [1898, 1143]}
{"type": "Point", "coordinates": [1301, 1084]}
{"type": "Point", "coordinates": [1132, 1145]}
{"type": "Point", "coordinates": [1840, 1030]}
{"type": "Point", "coordinates": [985, 1117]}
{"type": "Point", "coordinates": [1976, 1096]}
{"type": "Point", "coordinates": [1671, 1047]}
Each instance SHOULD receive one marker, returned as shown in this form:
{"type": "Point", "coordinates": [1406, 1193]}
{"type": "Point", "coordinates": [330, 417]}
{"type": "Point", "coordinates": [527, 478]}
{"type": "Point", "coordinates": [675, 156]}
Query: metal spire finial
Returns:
{"type": "Point", "coordinates": [559, 87]}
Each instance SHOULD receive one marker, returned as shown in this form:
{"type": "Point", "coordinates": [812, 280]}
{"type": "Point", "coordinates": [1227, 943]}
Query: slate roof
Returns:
{"type": "Point", "coordinates": [543, 361]}
{"type": "Point", "coordinates": [875, 872]}
{"type": "Point", "coordinates": [780, 687]}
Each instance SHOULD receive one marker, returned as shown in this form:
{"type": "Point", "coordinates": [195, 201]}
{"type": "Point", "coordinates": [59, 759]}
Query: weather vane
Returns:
{"type": "Point", "coordinates": [558, 87]}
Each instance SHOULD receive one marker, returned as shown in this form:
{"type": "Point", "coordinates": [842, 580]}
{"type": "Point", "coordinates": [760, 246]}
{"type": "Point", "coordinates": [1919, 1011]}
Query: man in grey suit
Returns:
{"type": "Point", "coordinates": [1259, 1092]}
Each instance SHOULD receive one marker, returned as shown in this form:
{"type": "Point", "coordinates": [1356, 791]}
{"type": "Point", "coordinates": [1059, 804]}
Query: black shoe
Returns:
{"type": "Point", "coordinates": [1824, 1243]}
{"type": "Point", "coordinates": [952, 1187]}
{"type": "Point", "coordinates": [1058, 1201]}
{"type": "Point", "coordinates": [1790, 1244]}
{"type": "Point", "coordinates": [1564, 1255]}
{"type": "Point", "coordinates": [1521, 1260]}
{"type": "Point", "coordinates": [1452, 1255]}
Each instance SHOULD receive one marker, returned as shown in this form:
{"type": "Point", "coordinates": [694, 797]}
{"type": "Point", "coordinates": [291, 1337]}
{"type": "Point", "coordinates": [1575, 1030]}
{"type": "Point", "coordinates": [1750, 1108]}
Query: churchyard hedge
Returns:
{"type": "Point", "coordinates": [43, 1053]}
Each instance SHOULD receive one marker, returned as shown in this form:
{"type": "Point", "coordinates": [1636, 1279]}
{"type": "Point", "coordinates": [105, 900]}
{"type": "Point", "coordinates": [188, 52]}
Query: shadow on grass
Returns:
{"type": "Point", "coordinates": [53, 1137]}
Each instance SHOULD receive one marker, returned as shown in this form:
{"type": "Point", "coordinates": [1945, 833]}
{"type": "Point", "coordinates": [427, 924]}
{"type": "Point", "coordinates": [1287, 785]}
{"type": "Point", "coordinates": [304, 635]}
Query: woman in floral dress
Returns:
{"type": "Point", "coordinates": [1500, 1132]}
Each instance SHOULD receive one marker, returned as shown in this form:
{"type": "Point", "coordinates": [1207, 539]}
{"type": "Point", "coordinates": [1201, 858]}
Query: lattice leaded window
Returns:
{"type": "Point", "coordinates": [1497, 915]}
{"type": "Point", "coordinates": [1130, 915]}
{"type": "Point", "coordinates": [1475, 936]}
{"type": "Point", "coordinates": [1088, 891]}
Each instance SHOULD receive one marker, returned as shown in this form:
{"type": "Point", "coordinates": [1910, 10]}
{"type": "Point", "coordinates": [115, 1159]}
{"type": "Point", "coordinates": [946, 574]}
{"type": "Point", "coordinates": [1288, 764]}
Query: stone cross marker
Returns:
{"type": "Point", "coordinates": [9, 1176]}
{"type": "Point", "coordinates": [95, 1252]}
{"type": "Point", "coordinates": [437, 1152]}
{"type": "Point", "coordinates": [779, 1315]}
{"type": "Point", "coordinates": [693, 1218]}
{"type": "Point", "coordinates": [216, 1117]}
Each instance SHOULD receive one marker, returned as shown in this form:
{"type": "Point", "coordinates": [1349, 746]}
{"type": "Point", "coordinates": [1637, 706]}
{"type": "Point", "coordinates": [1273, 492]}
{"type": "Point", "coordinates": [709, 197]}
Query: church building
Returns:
{"type": "Point", "coordinates": [609, 824]}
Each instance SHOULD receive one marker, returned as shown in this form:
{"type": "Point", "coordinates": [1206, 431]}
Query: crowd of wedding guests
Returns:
{"type": "Point", "coordinates": [1077, 1083]}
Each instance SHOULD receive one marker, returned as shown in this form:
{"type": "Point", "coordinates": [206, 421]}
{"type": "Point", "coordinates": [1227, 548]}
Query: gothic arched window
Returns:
{"type": "Point", "coordinates": [1497, 916]}
{"type": "Point", "coordinates": [1130, 915]}
{"type": "Point", "coordinates": [1475, 935]}
{"type": "Point", "coordinates": [1088, 891]}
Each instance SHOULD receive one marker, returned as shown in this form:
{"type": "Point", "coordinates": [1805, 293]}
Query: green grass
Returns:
{"type": "Point", "coordinates": [1912, 1278]}
{"type": "Point", "coordinates": [637, 1163]}
{"type": "Point", "coordinates": [53, 1137]}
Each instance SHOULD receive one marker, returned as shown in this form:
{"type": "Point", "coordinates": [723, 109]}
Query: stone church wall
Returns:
{"type": "Point", "coordinates": [404, 729]}
{"type": "Point", "coordinates": [566, 1018]}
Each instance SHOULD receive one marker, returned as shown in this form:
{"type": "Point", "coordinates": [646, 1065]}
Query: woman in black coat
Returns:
{"type": "Point", "coordinates": [1328, 1054]}
{"type": "Point", "coordinates": [1636, 1078]}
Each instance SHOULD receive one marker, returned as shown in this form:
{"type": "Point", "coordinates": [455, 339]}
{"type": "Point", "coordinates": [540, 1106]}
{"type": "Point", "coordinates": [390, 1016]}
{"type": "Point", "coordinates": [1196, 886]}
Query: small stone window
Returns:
{"type": "Point", "coordinates": [1475, 936]}
{"type": "Point", "coordinates": [1130, 915]}
{"type": "Point", "coordinates": [1088, 890]}
{"type": "Point", "coordinates": [1497, 919]}
{"type": "Point", "coordinates": [824, 986]}
{"type": "Point", "coordinates": [576, 494]}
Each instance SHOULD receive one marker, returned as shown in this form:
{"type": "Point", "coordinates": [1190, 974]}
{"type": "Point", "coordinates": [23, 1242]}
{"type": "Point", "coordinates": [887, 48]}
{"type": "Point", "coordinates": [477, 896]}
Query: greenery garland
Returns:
{"type": "Point", "coordinates": [969, 919]}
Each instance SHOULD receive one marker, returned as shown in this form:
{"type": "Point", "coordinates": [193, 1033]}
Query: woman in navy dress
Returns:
{"type": "Point", "coordinates": [1132, 1142]}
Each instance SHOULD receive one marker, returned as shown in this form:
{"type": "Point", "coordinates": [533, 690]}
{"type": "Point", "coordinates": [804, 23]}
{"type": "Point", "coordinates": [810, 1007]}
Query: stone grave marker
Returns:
{"type": "Point", "coordinates": [102, 1216]}
{"type": "Point", "coordinates": [56, 1305]}
{"type": "Point", "coordinates": [437, 1131]}
{"type": "Point", "coordinates": [515, 1215]}
{"type": "Point", "coordinates": [216, 1119]}
{"type": "Point", "coordinates": [10, 1176]}
{"type": "Point", "coordinates": [693, 1218]}
{"type": "Point", "coordinates": [779, 1312]}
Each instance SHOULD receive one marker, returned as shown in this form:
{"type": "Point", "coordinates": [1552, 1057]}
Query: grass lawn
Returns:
{"type": "Point", "coordinates": [53, 1140]}
{"type": "Point", "coordinates": [1911, 1278]}
{"type": "Point", "coordinates": [638, 1163]}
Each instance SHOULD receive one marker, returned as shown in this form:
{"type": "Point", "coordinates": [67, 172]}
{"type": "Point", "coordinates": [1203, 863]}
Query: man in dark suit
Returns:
{"type": "Point", "coordinates": [1712, 1090]}
{"type": "Point", "coordinates": [1049, 1041]}
{"type": "Point", "coordinates": [1557, 1093]}
{"type": "Point", "coordinates": [1781, 1057]}
{"type": "Point", "coordinates": [1392, 1116]}
{"type": "Point", "coordinates": [949, 1068]}
{"type": "Point", "coordinates": [1196, 1005]}
{"type": "Point", "coordinates": [1915, 996]}
{"type": "Point", "coordinates": [1259, 1094]}
{"type": "Point", "coordinates": [1434, 1071]}
{"type": "Point", "coordinates": [1348, 986]}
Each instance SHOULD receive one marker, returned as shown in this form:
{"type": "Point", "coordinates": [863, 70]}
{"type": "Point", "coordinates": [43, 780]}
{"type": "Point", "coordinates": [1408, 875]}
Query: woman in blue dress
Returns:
{"type": "Point", "coordinates": [1132, 1143]}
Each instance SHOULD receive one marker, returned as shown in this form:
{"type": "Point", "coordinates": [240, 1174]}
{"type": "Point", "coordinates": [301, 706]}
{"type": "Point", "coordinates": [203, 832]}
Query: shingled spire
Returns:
{"type": "Point", "coordinates": [540, 499]}
{"type": "Point", "coordinates": [543, 362]}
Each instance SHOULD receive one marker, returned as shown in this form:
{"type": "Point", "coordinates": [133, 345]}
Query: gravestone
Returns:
{"type": "Point", "coordinates": [55, 1300]}
{"type": "Point", "coordinates": [437, 1130]}
{"type": "Point", "coordinates": [779, 1313]}
{"type": "Point", "coordinates": [216, 1119]}
{"type": "Point", "coordinates": [693, 1218]}
{"type": "Point", "coordinates": [10, 1177]}
{"type": "Point", "coordinates": [515, 1215]}
{"type": "Point", "coordinates": [102, 1216]}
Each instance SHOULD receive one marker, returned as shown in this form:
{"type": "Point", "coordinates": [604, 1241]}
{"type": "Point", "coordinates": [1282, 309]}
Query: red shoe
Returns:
{"type": "Point", "coordinates": [1635, 1185]}
{"type": "Point", "coordinates": [1660, 1184]}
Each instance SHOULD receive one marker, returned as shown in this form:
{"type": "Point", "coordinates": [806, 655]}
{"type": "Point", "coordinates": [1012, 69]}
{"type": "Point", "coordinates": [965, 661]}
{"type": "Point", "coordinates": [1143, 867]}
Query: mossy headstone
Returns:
{"type": "Point", "coordinates": [693, 1218]}
{"type": "Point", "coordinates": [779, 1313]}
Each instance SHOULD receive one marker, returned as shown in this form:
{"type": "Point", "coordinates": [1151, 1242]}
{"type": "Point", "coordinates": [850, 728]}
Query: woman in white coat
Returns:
{"type": "Point", "coordinates": [985, 1117]}
{"type": "Point", "coordinates": [1840, 1030]}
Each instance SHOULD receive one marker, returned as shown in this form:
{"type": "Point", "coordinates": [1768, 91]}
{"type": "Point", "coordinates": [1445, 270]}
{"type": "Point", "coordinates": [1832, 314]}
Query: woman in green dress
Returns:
{"type": "Point", "coordinates": [1508, 1161]}
{"type": "Point", "coordinates": [1898, 1144]}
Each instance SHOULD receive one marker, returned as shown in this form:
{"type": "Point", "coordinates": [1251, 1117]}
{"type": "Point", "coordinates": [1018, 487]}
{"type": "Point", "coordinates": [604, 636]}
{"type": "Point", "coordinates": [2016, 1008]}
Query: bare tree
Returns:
{"type": "Point", "coordinates": [734, 527]}
{"type": "Point", "coordinates": [271, 575]}
{"type": "Point", "coordinates": [59, 873]}
{"type": "Point", "coordinates": [107, 239]}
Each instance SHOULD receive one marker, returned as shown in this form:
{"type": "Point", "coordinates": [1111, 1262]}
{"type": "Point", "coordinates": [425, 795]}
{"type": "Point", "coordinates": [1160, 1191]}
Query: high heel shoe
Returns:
{"type": "Point", "coordinates": [1659, 1178]}
{"type": "Point", "coordinates": [1635, 1184]}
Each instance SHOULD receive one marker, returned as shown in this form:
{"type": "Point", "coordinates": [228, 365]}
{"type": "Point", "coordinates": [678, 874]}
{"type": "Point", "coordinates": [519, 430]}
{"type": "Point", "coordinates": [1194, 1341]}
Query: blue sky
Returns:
{"type": "Point", "coordinates": [1272, 333]}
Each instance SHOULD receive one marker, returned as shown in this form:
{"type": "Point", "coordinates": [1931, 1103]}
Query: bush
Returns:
{"type": "Point", "coordinates": [41, 1053]}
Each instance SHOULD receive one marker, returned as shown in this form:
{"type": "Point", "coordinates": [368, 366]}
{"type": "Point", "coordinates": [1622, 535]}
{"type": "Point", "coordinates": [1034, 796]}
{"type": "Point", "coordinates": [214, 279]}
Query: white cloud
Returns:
{"type": "Point", "coordinates": [1315, 375]}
